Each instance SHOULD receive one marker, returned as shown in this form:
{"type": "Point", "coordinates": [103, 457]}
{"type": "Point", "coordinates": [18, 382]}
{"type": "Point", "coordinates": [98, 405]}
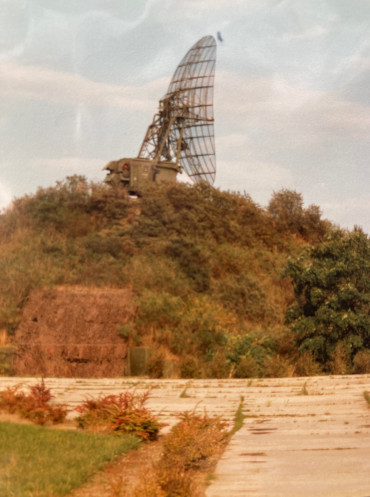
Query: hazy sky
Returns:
{"type": "Point", "coordinates": [80, 81]}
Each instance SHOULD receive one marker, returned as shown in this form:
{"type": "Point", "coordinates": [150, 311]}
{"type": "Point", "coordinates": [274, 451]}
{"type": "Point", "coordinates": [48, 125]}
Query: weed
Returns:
{"type": "Point", "coordinates": [367, 396]}
{"type": "Point", "coordinates": [304, 390]}
{"type": "Point", "coordinates": [34, 406]}
{"type": "Point", "coordinates": [239, 417]}
{"type": "Point", "coordinates": [155, 364]}
{"type": "Point", "coordinates": [306, 365]}
{"type": "Point", "coordinates": [187, 448]}
{"type": "Point", "coordinates": [194, 439]}
{"type": "Point", "coordinates": [210, 478]}
{"type": "Point", "coordinates": [277, 367]}
{"type": "Point", "coordinates": [6, 359]}
{"type": "Point", "coordinates": [119, 414]}
{"type": "Point", "coordinates": [184, 394]}
{"type": "Point", "coordinates": [361, 362]}
{"type": "Point", "coordinates": [247, 367]}
{"type": "Point", "coordinates": [126, 331]}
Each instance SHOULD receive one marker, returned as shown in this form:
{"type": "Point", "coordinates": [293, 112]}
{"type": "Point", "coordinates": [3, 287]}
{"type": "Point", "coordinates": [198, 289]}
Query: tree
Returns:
{"type": "Point", "coordinates": [287, 211]}
{"type": "Point", "coordinates": [332, 295]}
{"type": "Point", "coordinates": [286, 208]}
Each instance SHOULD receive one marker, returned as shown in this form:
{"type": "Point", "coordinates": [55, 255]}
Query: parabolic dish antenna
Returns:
{"type": "Point", "coordinates": [181, 135]}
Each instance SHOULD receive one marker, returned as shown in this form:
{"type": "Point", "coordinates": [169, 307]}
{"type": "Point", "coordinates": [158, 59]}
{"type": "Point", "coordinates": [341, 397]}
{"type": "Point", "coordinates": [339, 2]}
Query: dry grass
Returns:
{"type": "Point", "coordinates": [187, 452]}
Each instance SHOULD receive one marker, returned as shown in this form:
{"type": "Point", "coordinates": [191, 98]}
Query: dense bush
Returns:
{"type": "Point", "coordinates": [123, 414]}
{"type": "Point", "coordinates": [194, 439]}
{"type": "Point", "coordinates": [204, 264]}
{"type": "Point", "coordinates": [289, 215]}
{"type": "Point", "coordinates": [35, 405]}
{"type": "Point", "coordinates": [330, 316]}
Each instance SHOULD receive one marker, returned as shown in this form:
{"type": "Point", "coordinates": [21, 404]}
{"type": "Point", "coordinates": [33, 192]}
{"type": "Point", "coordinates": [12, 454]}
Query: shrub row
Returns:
{"type": "Point", "coordinates": [123, 414]}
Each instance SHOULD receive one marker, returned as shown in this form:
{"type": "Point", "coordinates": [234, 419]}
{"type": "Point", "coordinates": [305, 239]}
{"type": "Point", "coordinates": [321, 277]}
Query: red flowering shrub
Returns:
{"type": "Point", "coordinates": [34, 406]}
{"type": "Point", "coordinates": [119, 414]}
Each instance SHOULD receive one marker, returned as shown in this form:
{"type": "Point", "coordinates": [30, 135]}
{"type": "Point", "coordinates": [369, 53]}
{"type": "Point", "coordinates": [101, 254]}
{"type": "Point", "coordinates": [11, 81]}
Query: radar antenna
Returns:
{"type": "Point", "coordinates": [181, 135]}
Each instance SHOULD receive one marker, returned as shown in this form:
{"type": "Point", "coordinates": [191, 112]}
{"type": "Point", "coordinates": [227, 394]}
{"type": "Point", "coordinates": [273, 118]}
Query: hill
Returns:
{"type": "Point", "coordinates": [204, 267]}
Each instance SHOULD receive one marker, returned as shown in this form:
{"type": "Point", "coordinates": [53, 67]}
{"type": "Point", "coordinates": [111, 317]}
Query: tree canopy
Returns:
{"type": "Point", "coordinates": [332, 295]}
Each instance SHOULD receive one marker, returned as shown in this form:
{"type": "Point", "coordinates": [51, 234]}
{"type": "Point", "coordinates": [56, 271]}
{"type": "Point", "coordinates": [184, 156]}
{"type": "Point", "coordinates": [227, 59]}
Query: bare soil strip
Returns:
{"type": "Point", "coordinates": [121, 477]}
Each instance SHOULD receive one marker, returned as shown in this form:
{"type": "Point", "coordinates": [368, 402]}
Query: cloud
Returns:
{"type": "Point", "coordinates": [25, 82]}
{"type": "Point", "coordinates": [312, 32]}
{"type": "Point", "coordinates": [276, 105]}
{"type": "Point", "coordinates": [5, 195]}
{"type": "Point", "coordinates": [14, 28]}
{"type": "Point", "coordinates": [347, 210]}
{"type": "Point", "coordinates": [234, 140]}
{"type": "Point", "coordinates": [67, 165]}
{"type": "Point", "coordinates": [257, 178]}
{"type": "Point", "coordinates": [208, 5]}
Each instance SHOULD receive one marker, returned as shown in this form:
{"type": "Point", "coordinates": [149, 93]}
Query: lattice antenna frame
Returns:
{"type": "Point", "coordinates": [182, 132]}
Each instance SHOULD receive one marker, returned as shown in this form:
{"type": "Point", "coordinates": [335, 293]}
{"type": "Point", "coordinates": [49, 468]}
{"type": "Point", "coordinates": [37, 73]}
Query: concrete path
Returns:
{"type": "Point", "coordinates": [302, 437]}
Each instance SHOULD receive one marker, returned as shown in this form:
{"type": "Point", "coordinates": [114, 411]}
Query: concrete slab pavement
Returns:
{"type": "Point", "coordinates": [302, 437]}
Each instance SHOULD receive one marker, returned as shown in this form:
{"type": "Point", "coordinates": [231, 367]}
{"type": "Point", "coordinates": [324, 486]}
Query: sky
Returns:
{"type": "Point", "coordinates": [80, 82]}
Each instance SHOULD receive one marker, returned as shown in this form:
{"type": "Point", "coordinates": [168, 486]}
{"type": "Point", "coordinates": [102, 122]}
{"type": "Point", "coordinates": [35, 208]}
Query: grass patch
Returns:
{"type": "Point", "coordinates": [239, 417]}
{"type": "Point", "coordinates": [39, 462]}
{"type": "Point", "coordinates": [184, 394]}
{"type": "Point", "coordinates": [304, 390]}
{"type": "Point", "coordinates": [367, 396]}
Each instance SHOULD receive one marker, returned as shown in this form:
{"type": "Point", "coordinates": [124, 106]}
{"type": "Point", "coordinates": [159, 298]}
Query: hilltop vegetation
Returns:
{"type": "Point", "coordinates": [206, 267]}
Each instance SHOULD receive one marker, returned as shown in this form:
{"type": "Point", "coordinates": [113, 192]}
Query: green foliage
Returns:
{"type": "Point", "coordinates": [286, 207]}
{"type": "Point", "coordinates": [38, 462]}
{"type": "Point", "coordinates": [239, 417]}
{"type": "Point", "coordinates": [306, 365]}
{"type": "Point", "coordinates": [204, 264]}
{"type": "Point", "coordinates": [243, 294]}
{"type": "Point", "coordinates": [202, 213]}
{"type": "Point", "coordinates": [34, 406]}
{"type": "Point", "coordinates": [187, 327]}
{"type": "Point", "coordinates": [69, 208]}
{"type": "Point", "coordinates": [276, 366]}
{"type": "Point", "coordinates": [126, 330]}
{"type": "Point", "coordinates": [159, 310]}
{"type": "Point", "coordinates": [192, 260]}
{"type": "Point", "coordinates": [361, 362]}
{"type": "Point", "coordinates": [121, 414]}
{"type": "Point", "coordinates": [247, 352]}
{"type": "Point", "coordinates": [331, 281]}
{"type": "Point", "coordinates": [6, 359]}
{"type": "Point", "coordinates": [287, 211]}
{"type": "Point", "coordinates": [155, 364]}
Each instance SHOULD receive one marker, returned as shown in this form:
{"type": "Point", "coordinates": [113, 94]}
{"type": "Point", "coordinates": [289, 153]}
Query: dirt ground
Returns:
{"type": "Point", "coordinates": [121, 477]}
{"type": "Point", "coordinates": [73, 332]}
